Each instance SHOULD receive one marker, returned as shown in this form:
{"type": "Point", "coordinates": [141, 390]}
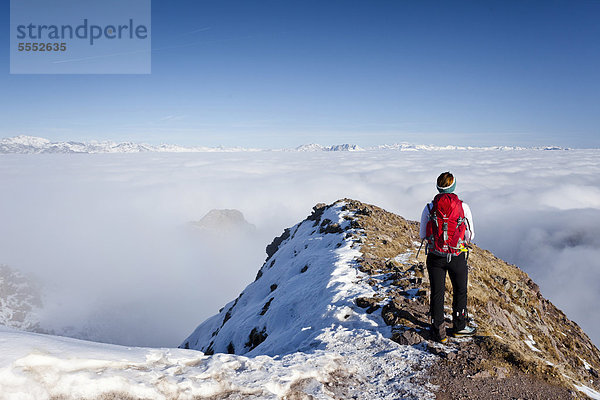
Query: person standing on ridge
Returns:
{"type": "Point", "coordinates": [447, 225]}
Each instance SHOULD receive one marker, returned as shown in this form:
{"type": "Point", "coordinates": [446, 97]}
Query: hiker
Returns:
{"type": "Point", "coordinates": [447, 226]}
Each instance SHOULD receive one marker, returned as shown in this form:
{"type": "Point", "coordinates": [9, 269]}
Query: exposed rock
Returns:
{"type": "Point", "coordinates": [371, 304]}
{"type": "Point", "coordinates": [328, 227]}
{"type": "Point", "coordinates": [256, 337]}
{"type": "Point", "coordinates": [259, 274]}
{"type": "Point", "coordinates": [364, 302]}
{"type": "Point", "coordinates": [266, 306]}
{"type": "Point", "coordinates": [407, 337]}
{"type": "Point", "coordinates": [317, 212]}
{"type": "Point", "coordinates": [482, 374]}
{"type": "Point", "coordinates": [501, 372]}
{"type": "Point", "coordinates": [274, 245]}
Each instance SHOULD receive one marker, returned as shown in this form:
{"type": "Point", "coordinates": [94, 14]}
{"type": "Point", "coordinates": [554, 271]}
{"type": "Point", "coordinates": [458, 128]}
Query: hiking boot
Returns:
{"type": "Point", "coordinates": [466, 331]}
{"type": "Point", "coordinates": [439, 334]}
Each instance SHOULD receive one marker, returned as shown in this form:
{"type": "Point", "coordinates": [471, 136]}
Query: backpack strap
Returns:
{"type": "Point", "coordinates": [433, 219]}
{"type": "Point", "coordinates": [432, 213]}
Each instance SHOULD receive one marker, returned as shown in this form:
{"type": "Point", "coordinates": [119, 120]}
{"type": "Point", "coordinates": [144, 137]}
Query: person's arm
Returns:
{"type": "Point", "coordinates": [424, 219]}
{"type": "Point", "coordinates": [469, 217]}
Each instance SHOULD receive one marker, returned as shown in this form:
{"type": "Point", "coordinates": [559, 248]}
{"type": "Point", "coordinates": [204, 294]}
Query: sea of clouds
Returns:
{"type": "Point", "coordinates": [107, 236]}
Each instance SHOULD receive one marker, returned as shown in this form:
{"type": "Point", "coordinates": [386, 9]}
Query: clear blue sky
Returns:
{"type": "Point", "coordinates": [284, 73]}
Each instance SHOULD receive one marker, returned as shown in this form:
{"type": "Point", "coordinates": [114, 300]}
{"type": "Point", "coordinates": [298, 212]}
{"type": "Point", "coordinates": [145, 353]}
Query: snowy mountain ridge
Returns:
{"type": "Point", "coordinates": [281, 288]}
{"type": "Point", "coordinates": [23, 144]}
{"type": "Point", "coordinates": [348, 273]}
{"type": "Point", "coordinates": [303, 300]}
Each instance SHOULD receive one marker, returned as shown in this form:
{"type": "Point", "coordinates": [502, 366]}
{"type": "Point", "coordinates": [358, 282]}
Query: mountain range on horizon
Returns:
{"type": "Point", "coordinates": [23, 144]}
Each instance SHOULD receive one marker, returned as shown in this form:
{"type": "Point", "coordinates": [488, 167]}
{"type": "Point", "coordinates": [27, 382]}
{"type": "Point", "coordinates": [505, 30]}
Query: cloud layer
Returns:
{"type": "Point", "coordinates": [107, 234]}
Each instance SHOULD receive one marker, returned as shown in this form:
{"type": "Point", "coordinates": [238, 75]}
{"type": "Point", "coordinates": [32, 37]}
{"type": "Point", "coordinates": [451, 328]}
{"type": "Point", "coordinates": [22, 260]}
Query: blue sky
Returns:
{"type": "Point", "coordinates": [284, 73]}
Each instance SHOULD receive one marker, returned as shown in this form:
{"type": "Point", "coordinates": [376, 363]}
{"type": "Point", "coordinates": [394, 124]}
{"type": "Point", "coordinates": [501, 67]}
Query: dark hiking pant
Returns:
{"type": "Point", "coordinates": [457, 269]}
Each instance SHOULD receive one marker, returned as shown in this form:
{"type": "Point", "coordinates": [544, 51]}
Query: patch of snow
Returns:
{"type": "Point", "coordinates": [404, 258]}
{"type": "Point", "coordinates": [531, 344]}
{"type": "Point", "coordinates": [585, 363]}
{"type": "Point", "coordinates": [411, 293]}
{"type": "Point", "coordinates": [591, 393]}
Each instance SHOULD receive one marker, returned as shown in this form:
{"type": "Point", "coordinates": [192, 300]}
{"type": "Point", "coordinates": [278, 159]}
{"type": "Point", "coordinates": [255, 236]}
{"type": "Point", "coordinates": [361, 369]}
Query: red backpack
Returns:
{"type": "Point", "coordinates": [446, 226]}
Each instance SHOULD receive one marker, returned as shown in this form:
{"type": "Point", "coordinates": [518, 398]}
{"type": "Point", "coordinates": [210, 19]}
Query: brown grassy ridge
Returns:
{"type": "Point", "coordinates": [504, 302]}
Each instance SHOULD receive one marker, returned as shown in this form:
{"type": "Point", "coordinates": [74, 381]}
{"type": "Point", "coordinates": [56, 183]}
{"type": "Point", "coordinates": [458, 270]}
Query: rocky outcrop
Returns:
{"type": "Point", "coordinates": [224, 222]}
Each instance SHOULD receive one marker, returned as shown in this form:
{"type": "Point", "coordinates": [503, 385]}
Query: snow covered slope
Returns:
{"type": "Point", "coordinates": [40, 367]}
{"type": "Point", "coordinates": [312, 269]}
{"type": "Point", "coordinates": [304, 300]}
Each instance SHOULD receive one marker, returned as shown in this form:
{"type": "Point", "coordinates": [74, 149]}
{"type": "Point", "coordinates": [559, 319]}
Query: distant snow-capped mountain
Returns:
{"type": "Point", "coordinates": [335, 147]}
